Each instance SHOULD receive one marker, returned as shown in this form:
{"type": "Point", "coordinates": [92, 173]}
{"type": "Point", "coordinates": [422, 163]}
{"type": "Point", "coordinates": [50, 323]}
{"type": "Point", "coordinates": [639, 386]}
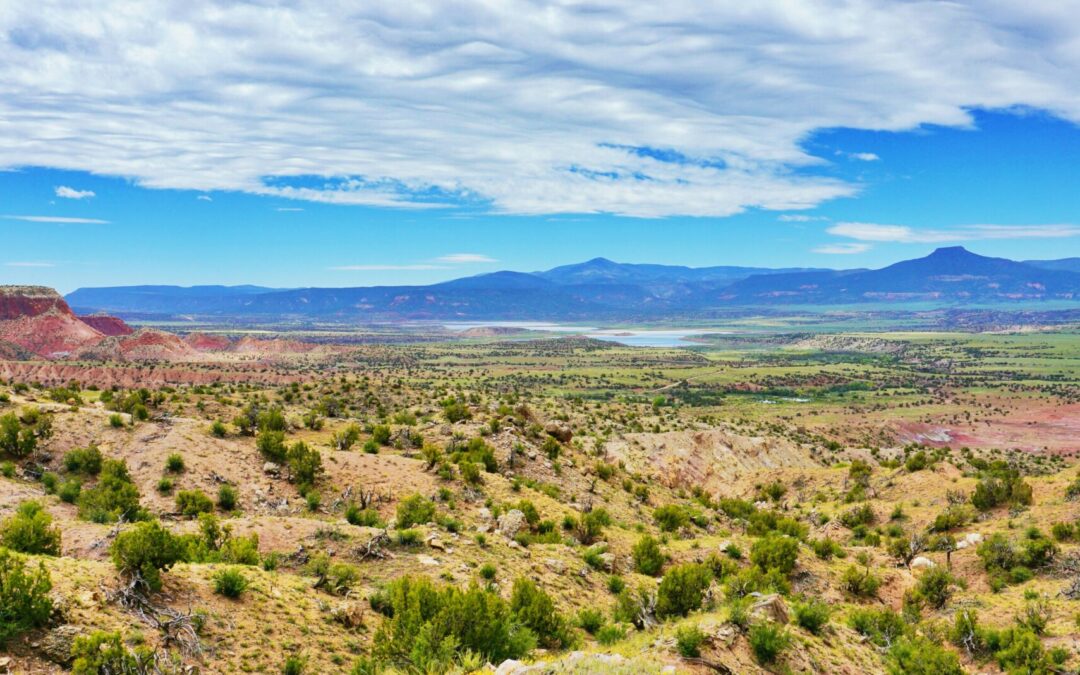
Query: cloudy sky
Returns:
{"type": "Point", "coordinates": [341, 143]}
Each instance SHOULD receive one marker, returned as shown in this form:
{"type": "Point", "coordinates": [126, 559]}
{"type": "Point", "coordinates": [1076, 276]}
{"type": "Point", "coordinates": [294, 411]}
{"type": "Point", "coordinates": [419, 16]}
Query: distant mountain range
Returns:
{"type": "Point", "coordinates": [602, 289]}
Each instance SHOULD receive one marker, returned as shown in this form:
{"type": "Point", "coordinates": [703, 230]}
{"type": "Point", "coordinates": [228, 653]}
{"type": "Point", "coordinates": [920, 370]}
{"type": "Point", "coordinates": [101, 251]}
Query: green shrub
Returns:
{"type": "Point", "coordinates": [336, 578]}
{"type": "Point", "coordinates": [165, 485]}
{"type": "Point", "coordinates": [146, 550]}
{"type": "Point", "coordinates": [16, 440]}
{"type": "Point", "coordinates": [767, 641]}
{"type": "Point", "coordinates": [671, 517]}
{"type": "Point", "coordinates": [862, 514]}
{"type": "Point", "coordinates": [114, 497]}
{"type": "Point", "coordinates": [535, 610]}
{"type": "Point", "coordinates": [826, 549]}
{"type": "Point", "coordinates": [230, 582]}
{"type": "Point", "coordinates": [860, 582]}
{"type": "Point", "coordinates": [217, 429]}
{"type": "Point", "coordinates": [69, 490]}
{"type": "Point", "coordinates": [812, 615]}
{"type": "Point", "coordinates": [193, 502]}
{"type": "Point", "coordinates": [917, 461]}
{"type": "Point", "coordinates": [590, 620]}
{"type": "Point", "coordinates": [592, 525]}
{"type": "Point", "coordinates": [431, 626]}
{"type": "Point", "coordinates": [30, 530]}
{"type": "Point", "coordinates": [682, 590]}
{"type": "Point", "coordinates": [102, 652]}
{"type": "Point", "coordinates": [116, 421]}
{"type": "Point", "coordinates": [648, 558]}
{"type": "Point", "coordinates": [1003, 486]}
{"type": "Point", "coordinates": [919, 656]}
{"type": "Point", "coordinates": [24, 596]}
{"type": "Point", "coordinates": [293, 665]}
{"type": "Point", "coordinates": [881, 626]}
{"type": "Point", "coordinates": [354, 515]}
{"type": "Point", "coordinates": [305, 465]}
{"type": "Point", "coordinates": [414, 510]}
{"type": "Point", "coordinates": [610, 634]}
{"type": "Point", "coordinates": [174, 463]}
{"type": "Point", "coordinates": [86, 460]}
{"type": "Point", "coordinates": [775, 552]}
{"type": "Point", "coordinates": [271, 445]}
{"type": "Point", "coordinates": [615, 584]}
{"type": "Point", "coordinates": [488, 572]}
{"type": "Point", "coordinates": [227, 497]}
{"type": "Point", "coordinates": [688, 640]}
{"type": "Point", "coordinates": [935, 586]}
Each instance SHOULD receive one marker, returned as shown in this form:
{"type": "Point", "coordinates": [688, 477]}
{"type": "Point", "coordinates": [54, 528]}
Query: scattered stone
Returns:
{"type": "Point", "coordinates": [559, 431]}
{"type": "Point", "coordinates": [57, 643]}
{"type": "Point", "coordinates": [510, 667]}
{"type": "Point", "coordinates": [427, 560]}
{"type": "Point", "coordinates": [272, 469]}
{"type": "Point", "coordinates": [770, 607]}
{"type": "Point", "coordinates": [512, 522]}
{"type": "Point", "coordinates": [922, 562]}
{"type": "Point", "coordinates": [555, 565]}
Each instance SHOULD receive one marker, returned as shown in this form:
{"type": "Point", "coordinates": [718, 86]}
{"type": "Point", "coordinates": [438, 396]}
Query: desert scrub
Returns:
{"type": "Point", "coordinates": [682, 590]}
{"type": "Point", "coordinates": [146, 550]}
{"type": "Point", "coordinates": [767, 641]}
{"type": "Point", "coordinates": [24, 595]}
{"type": "Point", "coordinates": [174, 463]}
{"type": "Point", "coordinates": [191, 503]}
{"type": "Point", "coordinates": [30, 530]}
{"type": "Point", "coordinates": [688, 640]}
{"type": "Point", "coordinates": [648, 558]}
{"type": "Point", "coordinates": [230, 582]}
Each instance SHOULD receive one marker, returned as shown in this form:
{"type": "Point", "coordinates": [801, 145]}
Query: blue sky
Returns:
{"type": "Point", "coordinates": [387, 146]}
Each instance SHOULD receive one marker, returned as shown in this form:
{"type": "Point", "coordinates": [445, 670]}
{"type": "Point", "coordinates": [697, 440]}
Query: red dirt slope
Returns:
{"type": "Point", "coordinates": [110, 326]}
{"type": "Point", "coordinates": [38, 319]}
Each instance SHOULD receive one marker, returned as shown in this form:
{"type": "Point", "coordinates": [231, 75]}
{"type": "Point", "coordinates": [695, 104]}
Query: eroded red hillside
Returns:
{"type": "Point", "coordinates": [38, 319]}
{"type": "Point", "coordinates": [109, 326]}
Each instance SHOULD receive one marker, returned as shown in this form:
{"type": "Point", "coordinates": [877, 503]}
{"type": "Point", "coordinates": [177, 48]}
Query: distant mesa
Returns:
{"type": "Point", "coordinates": [604, 290]}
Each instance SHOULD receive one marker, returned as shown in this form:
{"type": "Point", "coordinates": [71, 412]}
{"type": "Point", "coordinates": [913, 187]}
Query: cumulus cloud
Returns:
{"type": "Point", "coordinates": [641, 109]}
{"type": "Point", "coordinates": [799, 218]}
{"type": "Point", "coordinates": [58, 219]}
{"type": "Point", "coordinates": [842, 249]}
{"type": "Point", "coordinates": [465, 258]}
{"type": "Point", "coordinates": [864, 156]}
{"type": "Point", "coordinates": [71, 193]}
{"type": "Point", "coordinates": [875, 232]}
{"type": "Point", "coordinates": [205, 198]}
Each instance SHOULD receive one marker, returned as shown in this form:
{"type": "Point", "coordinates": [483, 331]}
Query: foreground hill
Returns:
{"type": "Point", "coordinates": [604, 290]}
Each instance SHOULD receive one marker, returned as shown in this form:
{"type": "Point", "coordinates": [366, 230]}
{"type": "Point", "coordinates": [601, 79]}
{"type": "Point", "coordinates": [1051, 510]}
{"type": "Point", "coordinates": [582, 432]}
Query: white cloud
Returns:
{"type": "Point", "coordinates": [205, 198]}
{"type": "Point", "coordinates": [864, 156]}
{"type": "Point", "coordinates": [907, 235]}
{"type": "Point", "coordinates": [799, 218]}
{"type": "Point", "coordinates": [842, 249]}
{"type": "Point", "coordinates": [382, 268]}
{"type": "Point", "coordinates": [520, 106]}
{"type": "Point", "coordinates": [287, 209]}
{"type": "Point", "coordinates": [29, 264]}
{"type": "Point", "coordinates": [465, 258]}
{"type": "Point", "coordinates": [57, 219]}
{"type": "Point", "coordinates": [71, 193]}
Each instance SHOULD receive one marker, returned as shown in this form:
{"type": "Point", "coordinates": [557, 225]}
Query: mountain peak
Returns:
{"type": "Point", "coordinates": [952, 252]}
